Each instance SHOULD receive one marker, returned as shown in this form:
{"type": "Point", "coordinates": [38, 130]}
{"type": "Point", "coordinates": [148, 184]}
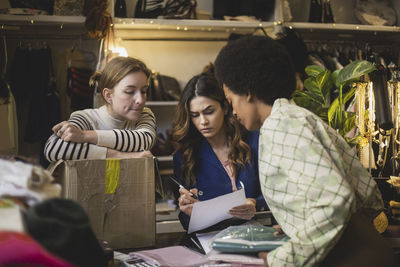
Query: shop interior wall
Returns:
{"type": "Point", "coordinates": [179, 59]}
{"type": "Point", "coordinates": [60, 48]}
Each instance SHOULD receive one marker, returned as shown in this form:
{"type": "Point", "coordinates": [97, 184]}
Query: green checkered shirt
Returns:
{"type": "Point", "coordinates": [312, 181]}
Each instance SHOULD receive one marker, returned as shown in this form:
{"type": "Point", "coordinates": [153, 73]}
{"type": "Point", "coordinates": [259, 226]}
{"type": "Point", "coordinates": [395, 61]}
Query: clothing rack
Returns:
{"type": "Point", "coordinates": [338, 45]}
{"type": "Point", "coordinates": [348, 43]}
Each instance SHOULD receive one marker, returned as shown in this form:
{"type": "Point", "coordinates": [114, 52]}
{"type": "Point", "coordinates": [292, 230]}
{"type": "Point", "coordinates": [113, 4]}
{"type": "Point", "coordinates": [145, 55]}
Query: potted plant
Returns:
{"type": "Point", "coordinates": [323, 85]}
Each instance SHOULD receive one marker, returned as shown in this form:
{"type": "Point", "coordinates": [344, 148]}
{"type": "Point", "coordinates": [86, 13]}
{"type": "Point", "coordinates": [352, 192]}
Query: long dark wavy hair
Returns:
{"type": "Point", "coordinates": [187, 138]}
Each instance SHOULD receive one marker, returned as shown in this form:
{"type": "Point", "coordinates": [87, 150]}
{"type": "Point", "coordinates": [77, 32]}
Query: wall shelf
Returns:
{"type": "Point", "coordinates": [197, 30]}
{"type": "Point", "coordinates": [187, 24]}
{"type": "Point", "coordinates": [161, 103]}
{"type": "Point", "coordinates": [6, 19]}
{"type": "Point", "coordinates": [43, 26]}
{"type": "Point", "coordinates": [346, 32]}
{"type": "Point", "coordinates": [218, 30]}
{"type": "Point", "coordinates": [164, 158]}
{"type": "Point", "coordinates": [201, 30]}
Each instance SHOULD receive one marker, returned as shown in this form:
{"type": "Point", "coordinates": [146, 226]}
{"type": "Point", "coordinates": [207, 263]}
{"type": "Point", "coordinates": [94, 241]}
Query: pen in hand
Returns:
{"type": "Point", "coordinates": [181, 186]}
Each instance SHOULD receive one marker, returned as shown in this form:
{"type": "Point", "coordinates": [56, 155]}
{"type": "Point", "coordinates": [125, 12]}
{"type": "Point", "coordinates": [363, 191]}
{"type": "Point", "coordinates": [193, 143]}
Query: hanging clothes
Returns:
{"type": "Point", "coordinates": [81, 66]}
{"type": "Point", "coordinates": [38, 105]}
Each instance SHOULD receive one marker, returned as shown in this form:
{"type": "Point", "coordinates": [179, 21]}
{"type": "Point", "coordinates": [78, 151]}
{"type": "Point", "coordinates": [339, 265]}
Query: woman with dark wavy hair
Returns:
{"type": "Point", "coordinates": [214, 153]}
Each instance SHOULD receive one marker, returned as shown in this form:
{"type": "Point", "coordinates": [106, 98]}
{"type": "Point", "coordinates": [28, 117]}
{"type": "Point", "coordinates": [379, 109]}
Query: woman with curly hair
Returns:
{"type": "Point", "coordinates": [323, 198]}
{"type": "Point", "coordinates": [214, 153]}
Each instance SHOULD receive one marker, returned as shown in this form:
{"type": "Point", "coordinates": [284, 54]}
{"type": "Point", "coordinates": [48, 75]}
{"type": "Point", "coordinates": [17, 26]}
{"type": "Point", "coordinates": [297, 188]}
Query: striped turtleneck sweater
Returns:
{"type": "Point", "coordinates": [125, 136]}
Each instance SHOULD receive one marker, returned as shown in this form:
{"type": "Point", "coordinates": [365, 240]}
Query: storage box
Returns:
{"type": "Point", "coordinates": [118, 195]}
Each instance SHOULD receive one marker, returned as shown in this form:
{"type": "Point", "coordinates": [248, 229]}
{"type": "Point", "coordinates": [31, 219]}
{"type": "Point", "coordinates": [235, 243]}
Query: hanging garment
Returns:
{"type": "Point", "coordinates": [20, 67]}
{"type": "Point", "coordinates": [81, 65]}
{"type": "Point", "coordinates": [120, 9]}
{"type": "Point", "coordinates": [44, 102]}
{"type": "Point", "coordinates": [37, 98]}
{"type": "Point", "coordinates": [78, 88]}
{"type": "Point", "coordinates": [9, 127]}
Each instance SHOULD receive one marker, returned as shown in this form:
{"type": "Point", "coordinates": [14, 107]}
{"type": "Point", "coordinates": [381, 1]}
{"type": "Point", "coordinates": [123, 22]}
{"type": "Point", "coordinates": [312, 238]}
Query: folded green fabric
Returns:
{"type": "Point", "coordinates": [247, 239]}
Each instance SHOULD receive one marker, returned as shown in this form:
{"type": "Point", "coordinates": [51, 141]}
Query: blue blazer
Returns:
{"type": "Point", "coordinates": [213, 180]}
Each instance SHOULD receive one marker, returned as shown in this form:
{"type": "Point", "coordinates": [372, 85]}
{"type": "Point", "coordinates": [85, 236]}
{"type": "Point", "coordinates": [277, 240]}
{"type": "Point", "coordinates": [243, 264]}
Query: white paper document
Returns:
{"type": "Point", "coordinates": [209, 212]}
{"type": "Point", "coordinates": [205, 240]}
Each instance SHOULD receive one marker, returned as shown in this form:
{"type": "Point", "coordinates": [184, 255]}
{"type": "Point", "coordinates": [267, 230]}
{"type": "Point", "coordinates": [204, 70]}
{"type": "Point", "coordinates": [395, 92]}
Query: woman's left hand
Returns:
{"type": "Point", "coordinates": [245, 211]}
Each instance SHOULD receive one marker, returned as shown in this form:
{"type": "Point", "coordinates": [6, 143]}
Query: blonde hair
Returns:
{"type": "Point", "coordinates": [115, 71]}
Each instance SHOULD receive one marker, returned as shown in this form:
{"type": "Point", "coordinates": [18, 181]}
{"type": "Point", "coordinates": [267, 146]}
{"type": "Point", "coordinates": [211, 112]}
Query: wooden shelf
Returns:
{"type": "Point", "coordinates": [182, 30]}
{"type": "Point", "coordinates": [164, 158]}
{"type": "Point", "coordinates": [43, 26]}
{"type": "Point", "coordinates": [218, 30]}
{"type": "Point", "coordinates": [341, 27]}
{"type": "Point", "coordinates": [186, 25]}
{"type": "Point", "coordinates": [162, 103]}
{"type": "Point", "coordinates": [346, 32]}
{"type": "Point", "coordinates": [202, 30]}
{"type": "Point", "coordinates": [165, 172]}
{"type": "Point", "coordinates": [34, 20]}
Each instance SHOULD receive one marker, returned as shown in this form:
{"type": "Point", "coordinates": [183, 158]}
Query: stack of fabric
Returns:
{"type": "Point", "coordinates": [38, 227]}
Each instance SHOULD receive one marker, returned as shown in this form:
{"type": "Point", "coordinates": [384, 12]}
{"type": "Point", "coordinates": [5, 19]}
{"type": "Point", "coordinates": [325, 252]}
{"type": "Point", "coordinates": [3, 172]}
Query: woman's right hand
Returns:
{"type": "Point", "coordinates": [186, 200]}
{"type": "Point", "coordinates": [70, 133]}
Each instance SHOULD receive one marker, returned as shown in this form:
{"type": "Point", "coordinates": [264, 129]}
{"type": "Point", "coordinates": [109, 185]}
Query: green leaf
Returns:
{"type": "Point", "coordinates": [313, 70]}
{"type": "Point", "coordinates": [311, 84]}
{"type": "Point", "coordinates": [334, 107]}
{"type": "Point", "coordinates": [324, 83]}
{"type": "Point", "coordinates": [354, 71]}
{"type": "Point", "coordinates": [306, 99]}
{"type": "Point", "coordinates": [314, 89]}
{"type": "Point", "coordinates": [301, 98]}
{"type": "Point", "coordinates": [349, 122]}
{"type": "Point", "coordinates": [335, 78]}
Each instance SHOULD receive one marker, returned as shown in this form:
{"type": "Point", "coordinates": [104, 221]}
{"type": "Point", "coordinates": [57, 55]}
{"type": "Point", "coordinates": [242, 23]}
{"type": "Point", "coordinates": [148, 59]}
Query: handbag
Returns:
{"type": "Point", "coordinates": [45, 5]}
{"type": "Point", "coordinates": [148, 8]}
{"type": "Point", "coordinates": [68, 7]}
{"type": "Point", "coordinates": [180, 9]}
{"type": "Point", "coordinates": [163, 88]}
{"type": "Point", "coordinates": [375, 12]}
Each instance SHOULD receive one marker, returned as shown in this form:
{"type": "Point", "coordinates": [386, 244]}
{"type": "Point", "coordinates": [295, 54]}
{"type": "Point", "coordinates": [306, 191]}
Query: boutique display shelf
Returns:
{"type": "Point", "coordinates": [208, 30]}
{"type": "Point", "coordinates": [161, 103]}
{"type": "Point", "coordinates": [168, 29]}
{"type": "Point", "coordinates": [165, 29]}
{"type": "Point", "coordinates": [346, 32]}
{"type": "Point", "coordinates": [165, 165]}
{"type": "Point", "coordinates": [9, 19]}
{"type": "Point", "coordinates": [164, 158]}
{"type": "Point", "coordinates": [43, 26]}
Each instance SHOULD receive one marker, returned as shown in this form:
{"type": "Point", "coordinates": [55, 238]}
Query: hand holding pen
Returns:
{"type": "Point", "coordinates": [182, 187]}
{"type": "Point", "coordinates": [187, 198]}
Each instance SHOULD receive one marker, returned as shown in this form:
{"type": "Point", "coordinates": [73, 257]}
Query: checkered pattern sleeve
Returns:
{"type": "Point", "coordinates": [308, 179]}
{"type": "Point", "coordinates": [139, 137]}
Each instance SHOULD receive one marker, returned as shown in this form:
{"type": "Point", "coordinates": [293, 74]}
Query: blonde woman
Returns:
{"type": "Point", "coordinates": [122, 128]}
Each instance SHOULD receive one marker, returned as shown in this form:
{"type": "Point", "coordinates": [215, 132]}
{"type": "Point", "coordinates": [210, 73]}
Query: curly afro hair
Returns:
{"type": "Point", "coordinates": [257, 65]}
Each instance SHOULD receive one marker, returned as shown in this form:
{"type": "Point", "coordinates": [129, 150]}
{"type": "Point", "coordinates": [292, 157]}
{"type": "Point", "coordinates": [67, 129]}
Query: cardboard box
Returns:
{"type": "Point", "coordinates": [118, 195]}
